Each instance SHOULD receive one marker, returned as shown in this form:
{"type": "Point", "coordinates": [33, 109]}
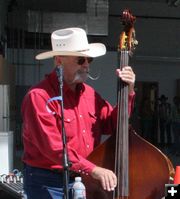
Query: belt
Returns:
{"type": "Point", "coordinates": [72, 174]}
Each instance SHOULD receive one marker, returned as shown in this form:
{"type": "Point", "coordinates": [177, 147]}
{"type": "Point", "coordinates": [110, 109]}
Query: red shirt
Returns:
{"type": "Point", "coordinates": [86, 117]}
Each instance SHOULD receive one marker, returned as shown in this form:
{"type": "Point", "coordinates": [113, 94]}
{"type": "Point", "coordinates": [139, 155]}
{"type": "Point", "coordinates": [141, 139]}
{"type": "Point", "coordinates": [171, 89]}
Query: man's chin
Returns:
{"type": "Point", "coordinates": [80, 81]}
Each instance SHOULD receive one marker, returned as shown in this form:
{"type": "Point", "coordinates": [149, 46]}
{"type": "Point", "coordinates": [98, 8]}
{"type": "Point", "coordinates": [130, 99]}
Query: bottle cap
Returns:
{"type": "Point", "coordinates": [78, 179]}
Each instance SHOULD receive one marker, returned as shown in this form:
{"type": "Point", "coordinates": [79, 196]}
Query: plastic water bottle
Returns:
{"type": "Point", "coordinates": [79, 190]}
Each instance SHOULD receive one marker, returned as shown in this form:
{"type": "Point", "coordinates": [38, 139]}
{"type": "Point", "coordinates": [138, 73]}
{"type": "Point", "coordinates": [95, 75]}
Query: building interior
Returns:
{"type": "Point", "coordinates": [25, 30]}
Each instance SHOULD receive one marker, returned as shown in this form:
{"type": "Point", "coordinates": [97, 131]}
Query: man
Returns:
{"type": "Point", "coordinates": [165, 121]}
{"type": "Point", "coordinates": [86, 116]}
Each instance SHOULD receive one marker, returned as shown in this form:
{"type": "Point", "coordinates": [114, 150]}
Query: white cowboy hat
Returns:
{"type": "Point", "coordinates": [72, 42]}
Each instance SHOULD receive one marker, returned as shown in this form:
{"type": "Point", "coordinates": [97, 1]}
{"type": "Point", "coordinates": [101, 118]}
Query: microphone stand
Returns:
{"type": "Point", "coordinates": [66, 163]}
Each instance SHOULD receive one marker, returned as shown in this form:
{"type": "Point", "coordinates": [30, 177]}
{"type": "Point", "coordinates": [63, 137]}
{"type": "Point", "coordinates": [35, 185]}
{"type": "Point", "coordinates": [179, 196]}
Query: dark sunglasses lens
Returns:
{"type": "Point", "coordinates": [81, 60]}
{"type": "Point", "coordinates": [90, 59]}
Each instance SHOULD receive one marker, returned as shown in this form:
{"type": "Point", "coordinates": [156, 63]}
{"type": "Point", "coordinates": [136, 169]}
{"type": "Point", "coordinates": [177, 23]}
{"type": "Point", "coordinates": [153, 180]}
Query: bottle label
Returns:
{"type": "Point", "coordinates": [79, 194]}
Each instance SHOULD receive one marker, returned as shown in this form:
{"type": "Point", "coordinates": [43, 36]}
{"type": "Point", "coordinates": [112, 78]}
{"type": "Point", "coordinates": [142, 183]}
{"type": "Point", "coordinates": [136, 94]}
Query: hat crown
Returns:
{"type": "Point", "coordinates": [70, 39]}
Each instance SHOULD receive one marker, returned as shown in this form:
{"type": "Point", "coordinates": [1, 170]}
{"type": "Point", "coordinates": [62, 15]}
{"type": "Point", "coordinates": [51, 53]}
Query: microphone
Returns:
{"type": "Point", "coordinates": [59, 73]}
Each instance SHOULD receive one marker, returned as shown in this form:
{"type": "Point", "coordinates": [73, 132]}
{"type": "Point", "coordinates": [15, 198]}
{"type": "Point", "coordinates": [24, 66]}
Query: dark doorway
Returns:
{"type": "Point", "coordinates": [145, 117]}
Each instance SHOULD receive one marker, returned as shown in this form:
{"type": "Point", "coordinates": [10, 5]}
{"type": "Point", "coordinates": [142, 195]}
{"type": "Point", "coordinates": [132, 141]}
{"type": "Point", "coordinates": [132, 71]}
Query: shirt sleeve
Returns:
{"type": "Point", "coordinates": [42, 131]}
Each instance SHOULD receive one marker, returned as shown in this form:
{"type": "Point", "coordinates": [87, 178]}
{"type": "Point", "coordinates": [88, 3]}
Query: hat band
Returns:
{"type": "Point", "coordinates": [83, 50]}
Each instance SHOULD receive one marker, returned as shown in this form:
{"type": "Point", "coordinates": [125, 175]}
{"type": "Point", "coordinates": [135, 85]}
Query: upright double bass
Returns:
{"type": "Point", "coordinates": [142, 170]}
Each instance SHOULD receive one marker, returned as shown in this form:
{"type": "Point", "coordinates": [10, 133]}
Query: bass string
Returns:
{"type": "Point", "coordinates": [122, 146]}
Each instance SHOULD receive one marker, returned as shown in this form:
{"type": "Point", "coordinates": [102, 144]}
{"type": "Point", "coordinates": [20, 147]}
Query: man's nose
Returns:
{"type": "Point", "coordinates": [86, 63]}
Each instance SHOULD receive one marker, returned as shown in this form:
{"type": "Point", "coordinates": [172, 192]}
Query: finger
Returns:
{"type": "Point", "coordinates": [113, 181]}
{"type": "Point", "coordinates": [103, 183]}
{"type": "Point", "coordinates": [107, 182]}
{"type": "Point", "coordinates": [128, 68]}
{"type": "Point", "coordinates": [127, 73]}
{"type": "Point", "coordinates": [110, 181]}
{"type": "Point", "coordinates": [128, 78]}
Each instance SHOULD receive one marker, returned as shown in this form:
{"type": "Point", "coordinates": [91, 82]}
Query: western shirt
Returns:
{"type": "Point", "coordinates": [86, 116]}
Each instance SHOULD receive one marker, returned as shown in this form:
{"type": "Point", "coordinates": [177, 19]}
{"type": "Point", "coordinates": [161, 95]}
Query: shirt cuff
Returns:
{"type": "Point", "coordinates": [83, 167]}
{"type": "Point", "coordinates": [131, 99]}
{"type": "Point", "coordinates": [132, 94]}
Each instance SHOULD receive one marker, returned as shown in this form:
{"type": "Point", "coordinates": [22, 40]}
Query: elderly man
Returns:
{"type": "Point", "coordinates": [86, 116]}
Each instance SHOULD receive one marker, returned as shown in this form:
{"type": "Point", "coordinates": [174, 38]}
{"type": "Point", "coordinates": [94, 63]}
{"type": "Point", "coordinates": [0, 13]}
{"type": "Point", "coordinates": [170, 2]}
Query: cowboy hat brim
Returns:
{"type": "Point", "coordinates": [95, 50]}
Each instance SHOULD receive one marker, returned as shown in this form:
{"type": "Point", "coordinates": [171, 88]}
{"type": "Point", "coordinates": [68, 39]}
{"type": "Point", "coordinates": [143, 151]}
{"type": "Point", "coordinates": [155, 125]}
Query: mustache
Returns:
{"type": "Point", "coordinates": [93, 78]}
{"type": "Point", "coordinates": [87, 74]}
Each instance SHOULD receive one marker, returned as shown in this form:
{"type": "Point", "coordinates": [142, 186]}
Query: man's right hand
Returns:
{"type": "Point", "coordinates": [107, 178]}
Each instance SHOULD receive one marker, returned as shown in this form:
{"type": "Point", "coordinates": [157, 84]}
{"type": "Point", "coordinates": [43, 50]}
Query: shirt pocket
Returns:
{"type": "Point", "coordinates": [70, 125]}
{"type": "Point", "coordinates": [94, 123]}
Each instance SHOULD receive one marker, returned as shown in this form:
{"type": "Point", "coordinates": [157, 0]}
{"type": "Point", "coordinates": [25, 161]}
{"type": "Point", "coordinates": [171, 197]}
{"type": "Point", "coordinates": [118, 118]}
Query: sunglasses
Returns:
{"type": "Point", "coordinates": [81, 60]}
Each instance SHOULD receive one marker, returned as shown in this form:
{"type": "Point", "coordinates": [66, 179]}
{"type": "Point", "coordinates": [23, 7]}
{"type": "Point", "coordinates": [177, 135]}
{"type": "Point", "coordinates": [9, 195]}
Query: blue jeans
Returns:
{"type": "Point", "coordinates": [45, 184]}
